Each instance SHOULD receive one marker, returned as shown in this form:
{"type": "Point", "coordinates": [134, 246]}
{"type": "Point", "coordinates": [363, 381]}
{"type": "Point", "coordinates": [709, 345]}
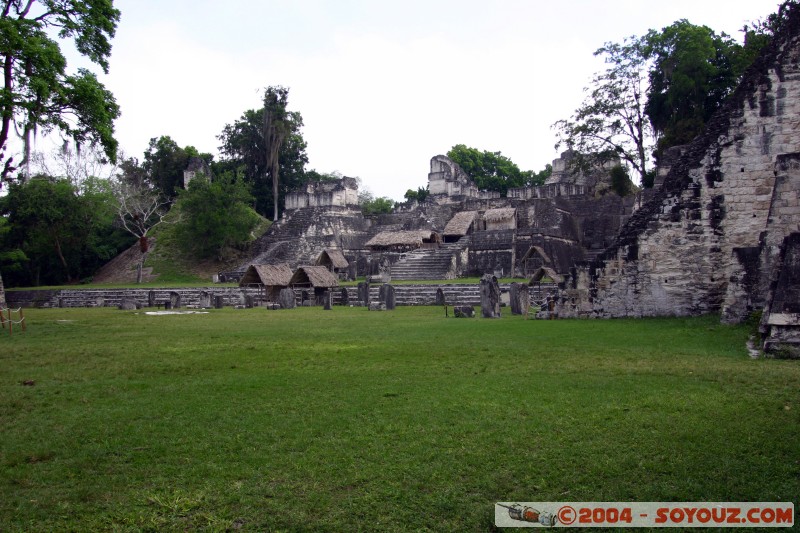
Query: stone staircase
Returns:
{"type": "Point", "coordinates": [430, 263]}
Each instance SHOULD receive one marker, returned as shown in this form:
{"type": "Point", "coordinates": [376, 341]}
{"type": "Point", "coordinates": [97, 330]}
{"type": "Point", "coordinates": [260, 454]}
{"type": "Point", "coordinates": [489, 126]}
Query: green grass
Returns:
{"type": "Point", "coordinates": [349, 420]}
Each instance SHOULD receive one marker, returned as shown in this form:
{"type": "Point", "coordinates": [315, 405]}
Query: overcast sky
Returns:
{"type": "Point", "coordinates": [382, 86]}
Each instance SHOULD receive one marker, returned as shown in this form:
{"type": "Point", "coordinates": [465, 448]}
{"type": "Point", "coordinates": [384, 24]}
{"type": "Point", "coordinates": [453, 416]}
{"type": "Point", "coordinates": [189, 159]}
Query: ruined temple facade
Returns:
{"type": "Point", "coordinates": [469, 232]}
{"type": "Point", "coordinates": [712, 238]}
{"type": "Point", "coordinates": [719, 232]}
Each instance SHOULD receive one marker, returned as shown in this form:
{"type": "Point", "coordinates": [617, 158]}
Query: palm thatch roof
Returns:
{"type": "Point", "coordinates": [499, 214]}
{"type": "Point", "coordinates": [332, 256]}
{"type": "Point", "coordinates": [460, 223]}
{"type": "Point", "coordinates": [268, 275]}
{"type": "Point", "coordinates": [314, 276]}
{"type": "Point", "coordinates": [402, 238]}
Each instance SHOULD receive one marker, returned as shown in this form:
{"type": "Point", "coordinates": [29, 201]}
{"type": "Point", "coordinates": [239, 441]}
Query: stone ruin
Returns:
{"type": "Point", "coordinates": [458, 231]}
{"type": "Point", "coordinates": [717, 233]}
{"type": "Point", "coordinates": [720, 234]}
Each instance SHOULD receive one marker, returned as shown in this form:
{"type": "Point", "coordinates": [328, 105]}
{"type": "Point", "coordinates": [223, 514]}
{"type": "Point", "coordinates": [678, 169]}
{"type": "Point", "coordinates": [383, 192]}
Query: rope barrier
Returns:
{"type": "Point", "coordinates": [7, 317]}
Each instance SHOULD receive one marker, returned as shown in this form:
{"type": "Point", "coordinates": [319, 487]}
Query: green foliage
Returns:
{"type": "Point", "coordinates": [491, 171]}
{"type": "Point", "coordinates": [620, 181]}
{"type": "Point", "coordinates": [165, 162]}
{"type": "Point", "coordinates": [611, 123]}
{"type": "Point", "coordinates": [53, 234]}
{"type": "Point", "coordinates": [245, 148]}
{"type": "Point", "coordinates": [419, 195]}
{"type": "Point", "coordinates": [37, 92]}
{"type": "Point", "coordinates": [693, 71]}
{"type": "Point", "coordinates": [663, 86]}
{"type": "Point", "coordinates": [376, 206]}
{"type": "Point", "coordinates": [345, 420]}
{"type": "Point", "coordinates": [216, 215]}
{"type": "Point", "coordinates": [535, 179]}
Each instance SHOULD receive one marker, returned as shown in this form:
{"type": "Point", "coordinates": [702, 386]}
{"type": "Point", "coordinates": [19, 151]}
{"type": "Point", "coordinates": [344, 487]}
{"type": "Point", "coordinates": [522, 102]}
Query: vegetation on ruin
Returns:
{"type": "Point", "coordinates": [658, 91]}
{"type": "Point", "coordinates": [492, 171]}
{"type": "Point", "coordinates": [350, 420]}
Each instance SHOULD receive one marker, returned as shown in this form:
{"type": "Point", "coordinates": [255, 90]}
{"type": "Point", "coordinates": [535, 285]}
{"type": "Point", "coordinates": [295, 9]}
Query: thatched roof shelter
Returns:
{"type": "Point", "coordinates": [460, 224]}
{"type": "Point", "coordinates": [314, 276]}
{"type": "Point", "coordinates": [267, 275]}
{"type": "Point", "coordinates": [500, 214]}
{"type": "Point", "coordinates": [332, 258]}
{"type": "Point", "coordinates": [403, 239]}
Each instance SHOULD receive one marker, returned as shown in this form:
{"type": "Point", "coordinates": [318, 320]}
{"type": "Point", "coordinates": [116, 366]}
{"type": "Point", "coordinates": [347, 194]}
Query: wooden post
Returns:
{"type": "Point", "coordinates": [22, 319]}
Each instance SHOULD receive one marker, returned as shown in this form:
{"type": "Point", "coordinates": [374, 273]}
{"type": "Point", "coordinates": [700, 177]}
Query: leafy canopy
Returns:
{"type": "Point", "coordinates": [249, 145]}
{"type": "Point", "coordinates": [53, 233]}
{"type": "Point", "coordinates": [658, 91]}
{"type": "Point", "coordinates": [215, 215]}
{"type": "Point", "coordinates": [492, 171]}
{"type": "Point", "coordinates": [37, 93]}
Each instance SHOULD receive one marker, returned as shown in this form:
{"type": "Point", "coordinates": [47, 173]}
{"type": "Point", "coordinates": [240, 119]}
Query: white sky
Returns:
{"type": "Point", "coordinates": [383, 86]}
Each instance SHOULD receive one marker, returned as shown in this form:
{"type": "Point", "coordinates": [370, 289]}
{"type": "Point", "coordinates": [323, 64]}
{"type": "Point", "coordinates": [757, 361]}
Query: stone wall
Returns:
{"type": "Point", "coordinates": [340, 193]}
{"type": "Point", "coordinates": [490, 251]}
{"type": "Point", "coordinates": [706, 241]}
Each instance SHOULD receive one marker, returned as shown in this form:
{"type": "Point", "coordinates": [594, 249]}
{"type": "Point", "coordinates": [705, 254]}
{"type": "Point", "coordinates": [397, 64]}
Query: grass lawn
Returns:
{"type": "Point", "coordinates": [350, 420]}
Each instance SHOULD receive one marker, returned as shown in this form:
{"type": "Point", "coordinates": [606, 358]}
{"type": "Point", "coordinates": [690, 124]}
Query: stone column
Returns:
{"type": "Point", "coordinates": [490, 297]}
{"type": "Point", "coordinates": [387, 296]}
{"type": "Point", "coordinates": [286, 298]}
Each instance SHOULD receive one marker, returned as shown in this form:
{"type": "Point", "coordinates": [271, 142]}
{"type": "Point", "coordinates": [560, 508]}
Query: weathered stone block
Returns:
{"type": "Point", "coordinates": [387, 296]}
{"type": "Point", "coordinates": [286, 298]}
{"type": "Point", "coordinates": [463, 311]}
{"type": "Point", "coordinates": [128, 304]}
{"type": "Point", "coordinates": [174, 300]}
{"type": "Point", "coordinates": [490, 297]}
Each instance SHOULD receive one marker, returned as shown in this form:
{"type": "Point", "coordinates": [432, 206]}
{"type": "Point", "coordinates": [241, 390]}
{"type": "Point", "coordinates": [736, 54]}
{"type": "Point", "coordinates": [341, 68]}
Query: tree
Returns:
{"type": "Point", "coordinates": [611, 121]}
{"type": "Point", "coordinates": [139, 209]}
{"type": "Point", "coordinates": [245, 148]}
{"type": "Point", "coordinates": [659, 90]}
{"type": "Point", "coordinates": [693, 71]}
{"type": "Point", "coordinates": [491, 171]}
{"type": "Point", "coordinates": [374, 206]}
{"type": "Point", "coordinates": [215, 215]}
{"type": "Point", "coordinates": [535, 179]}
{"type": "Point", "coordinates": [419, 195]}
{"type": "Point", "coordinates": [54, 233]}
{"type": "Point", "coordinates": [80, 167]}
{"type": "Point", "coordinates": [37, 93]}
{"type": "Point", "coordinates": [164, 164]}
{"type": "Point", "coordinates": [620, 181]}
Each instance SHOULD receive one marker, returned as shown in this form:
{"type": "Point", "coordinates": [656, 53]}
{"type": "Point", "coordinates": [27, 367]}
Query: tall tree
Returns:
{"type": "Point", "coordinates": [693, 71]}
{"type": "Point", "coordinates": [277, 127]}
{"type": "Point", "coordinates": [611, 121]}
{"type": "Point", "coordinates": [244, 147]}
{"type": "Point", "coordinates": [37, 93]}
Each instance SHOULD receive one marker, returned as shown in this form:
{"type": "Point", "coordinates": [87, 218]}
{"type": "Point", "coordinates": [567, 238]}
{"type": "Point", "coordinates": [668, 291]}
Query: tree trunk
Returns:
{"type": "Point", "coordinates": [139, 268]}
